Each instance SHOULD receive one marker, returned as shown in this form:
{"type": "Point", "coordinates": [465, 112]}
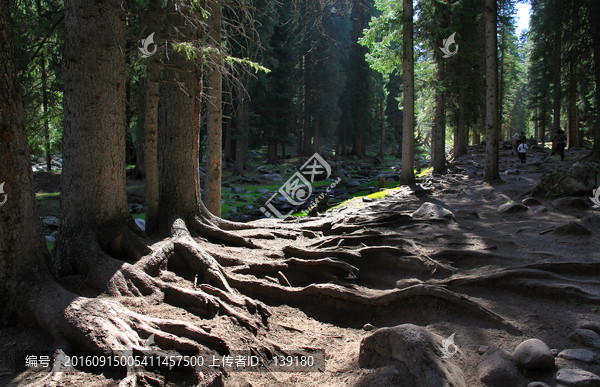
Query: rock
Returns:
{"type": "Point", "coordinates": [530, 202]}
{"type": "Point", "coordinates": [430, 210]}
{"type": "Point", "coordinates": [50, 238]}
{"type": "Point", "coordinates": [537, 384]}
{"type": "Point", "coordinates": [533, 354]}
{"type": "Point", "coordinates": [50, 221]}
{"type": "Point", "coordinates": [512, 208]}
{"type": "Point", "coordinates": [262, 190]}
{"type": "Point", "coordinates": [413, 351]}
{"type": "Point", "coordinates": [238, 190]}
{"type": "Point", "coordinates": [570, 203]}
{"type": "Point", "coordinates": [572, 228]}
{"type": "Point", "coordinates": [483, 349]}
{"type": "Point", "coordinates": [247, 207]}
{"type": "Point", "coordinates": [539, 209]}
{"type": "Point", "coordinates": [577, 377]}
{"type": "Point", "coordinates": [555, 352]}
{"type": "Point", "coordinates": [368, 327]}
{"type": "Point", "coordinates": [367, 199]}
{"type": "Point", "coordinates": [496, 369]}
{"type": "Point", "coordinates": [581, 354]}
{"type": "Point", "coordinates": [353, 183]}
{"type": "Point", "coordinates": [511, 172]}
{"type": "Point", "coordinates": [263, 199]}
{"type": "Point", "coordinates": [136, 209]}
{"type": "Point", "coordinates": [141, 223]}
{"type": "Point", "coordinates": [586, 337]}
{"type": "Point", "coordinates": [273, 177]}
{"type": "Point", "coordinates": [579, 179]}
{"type": "Point", "coordinates": [592, 326]}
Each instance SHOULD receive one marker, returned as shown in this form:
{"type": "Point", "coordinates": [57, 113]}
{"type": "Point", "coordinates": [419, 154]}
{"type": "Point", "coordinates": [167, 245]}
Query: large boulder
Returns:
{"type": "Point", "coordinates": [577, 377]}
{"type": "Point", "coordinates": [579, 179]}
{"type": "Point", "coordinates": [415, 352]}
{"type": "Point", "coordinates": [570, 203]}
{"type": "Point", "coordinates": [512, 208]}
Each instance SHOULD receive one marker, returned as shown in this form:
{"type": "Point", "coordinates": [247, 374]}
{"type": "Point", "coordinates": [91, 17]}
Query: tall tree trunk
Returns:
{"type": "Point", "coordinates": [460, 139]}
{"type": "Point", "coordinates": [45, 98]}
{"type": "Point", "coordinates": [557, 69]}
{"type": "Point", "coordinates": [501, 80]}
{"type": "Point", "coordinates": [572, 124]}
{"type": "Point", "coordinates": [93, 178]}
{"type": "Point", "coordinates": [543, 124]}
{"type": "Point", "coordinates": [438, 135]}
{"type": "Point", "coordinates": [214, 112]}
{"type": "Point", "coordinates": [594, 18]}
{"type": "Point", "coordinates": [382, 123]}
{"type": "Point", "coordinates": [21, 241]}
{"type": "Point", "coordinates": [271, 145]}
{"type": "Point", "coordinates": [241, 143]}
{"type": "Point", "coordinates": [407, 174]}
{"type": "Point", "coordinates": [491, 170]}
{"type": "Point", "coordinates": [227, 149]}
{"type": "Point", "coordinates": [151, 123]}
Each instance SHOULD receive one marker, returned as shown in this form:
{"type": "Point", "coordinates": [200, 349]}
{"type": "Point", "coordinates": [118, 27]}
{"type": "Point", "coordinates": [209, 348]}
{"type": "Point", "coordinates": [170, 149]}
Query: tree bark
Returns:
{"type": "Point", "coordinates": [214, 141]}
{"type": "Point", "coordinates": [491, 170]}
{"type": "Point", "coordinates": [407, 174]}
{"type": "Point", "coordinates": [151, 122]}
{"type": "Point", "coordinates": [557, 69]}
{"type": "Point", "coordinates": [179, 137]}
{"type": "Point", "coordinates": [438, 135]}
{"type": "Point", "coordinates": [21, 241]}
{"type": "Point", "coordinates": [93, 179]}
{"type": "Point", "coordinates": [572, 124]}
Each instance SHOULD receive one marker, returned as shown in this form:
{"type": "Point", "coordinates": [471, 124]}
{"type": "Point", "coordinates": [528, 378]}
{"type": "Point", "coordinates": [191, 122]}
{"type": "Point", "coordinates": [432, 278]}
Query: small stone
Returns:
{"type": "Point", "coordinates": [141, 223]}
{"type": "Point", "coordinates": [533, 354]}
{"type": "Point", "coordinates": [262, 190]}
{"type": "Point", "coordinates": [49, 238]}
{"type": "Point", "coordinates": [577, 377]}
{"type": "Point", "coordinates": [368, 327]}
{"type": "Point", "coordinates": [483, 349]}
{"type": "Point", "coordinates": [530, 202]}
{"type": "Point", "coordinates": [353, 183]}
{"type": "Point", "coordinates": [539, 209]}
{"type": "Point", "coordinates": [512, 208]}
{"type": "Point", "coordinates": [511, 172]}
{"type": "Point", "coordinates": [238, 190]}
{"type": "Point", "coordinates": [467, 214]}
{"type": "Point", "coordinates": [555, 352]}
{"type": "Point", "coordinates": [50, 221]}
{"type": "Point", "coordinates": [367, 199]}
{"type": "Point", "coordinates": [586, 338]}
{"type": "Point", "coordinates": [273, 177]}
{"type": "Point", "coordinates": [581, 354]}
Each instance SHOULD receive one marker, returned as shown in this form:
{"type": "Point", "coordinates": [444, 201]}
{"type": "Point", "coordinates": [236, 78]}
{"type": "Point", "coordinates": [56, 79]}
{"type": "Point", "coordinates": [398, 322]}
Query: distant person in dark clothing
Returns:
{"type": "Point", "coordinates": [559, 142]}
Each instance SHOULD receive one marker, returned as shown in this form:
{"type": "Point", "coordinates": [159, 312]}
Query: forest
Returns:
{"type": "Point", "coordinates": [300, 193]}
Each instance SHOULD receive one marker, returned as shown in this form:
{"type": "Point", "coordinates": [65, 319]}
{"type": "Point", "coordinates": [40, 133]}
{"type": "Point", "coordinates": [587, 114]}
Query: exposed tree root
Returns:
{"type": "Point", "coordinates": [340, 298]}
{"type": "Point", "coordinates": [541, 282]}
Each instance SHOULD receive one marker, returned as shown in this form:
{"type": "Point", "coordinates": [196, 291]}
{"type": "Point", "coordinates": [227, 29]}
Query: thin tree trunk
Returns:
{"type": "Point", "coordinates": [214, 112]}
{"type": "Point", "coordinates": [460, 139]}
{"type": "Point", "coordinates": [491, 170]}
{"type": "Point", "coordinates": [241, 143]}
{"type": "Point", "coordinates": [151, 123]}
{"type": "Point", "coordinates": [382, 118]}
{"type": "Point", "coordinates": [557, 69]}
{"type": "Point", "coordinates": [407, 173]}
{"type": "Point", "coordinates": [572, 124]}
{"type": "Point", "coordinates": [438, 135]}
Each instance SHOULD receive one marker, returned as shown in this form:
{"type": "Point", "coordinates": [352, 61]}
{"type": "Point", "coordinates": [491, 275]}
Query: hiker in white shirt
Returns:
{"type": "Point", "coordinates": [522, 150]}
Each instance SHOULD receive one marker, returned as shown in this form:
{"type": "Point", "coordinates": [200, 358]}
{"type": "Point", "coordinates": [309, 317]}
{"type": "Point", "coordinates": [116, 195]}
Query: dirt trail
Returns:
{"type": "Point", "coordinates": [508, 266]}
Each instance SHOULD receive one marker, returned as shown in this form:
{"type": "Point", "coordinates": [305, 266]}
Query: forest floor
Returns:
{"type": "Point", "coordinates": [477, 248]}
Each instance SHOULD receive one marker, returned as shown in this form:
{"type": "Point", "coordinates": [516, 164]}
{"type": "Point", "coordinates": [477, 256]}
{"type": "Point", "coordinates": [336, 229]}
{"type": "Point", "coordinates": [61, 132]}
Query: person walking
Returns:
{"type": "Point", "coordinates": [522, 150]}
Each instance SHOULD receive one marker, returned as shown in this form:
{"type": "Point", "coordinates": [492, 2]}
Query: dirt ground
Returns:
{"type": "Point", "coordinates": [478, 242]}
